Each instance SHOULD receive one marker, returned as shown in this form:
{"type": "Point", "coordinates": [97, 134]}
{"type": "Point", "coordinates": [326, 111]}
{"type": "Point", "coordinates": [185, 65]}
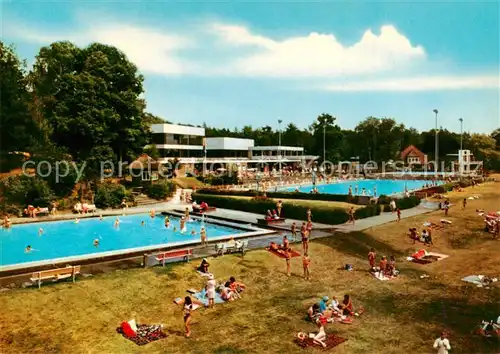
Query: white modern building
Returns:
{"type": "Point", "coordinates": [189, 146]}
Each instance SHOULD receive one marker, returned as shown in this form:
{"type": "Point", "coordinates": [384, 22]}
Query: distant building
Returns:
{"type": "Point", "coordinates": [189, 146]}
{"type": "Point", "coordinates": [413, 156]}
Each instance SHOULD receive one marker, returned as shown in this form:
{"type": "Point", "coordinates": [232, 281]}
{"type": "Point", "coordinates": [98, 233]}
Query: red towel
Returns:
{"type": "Point", "coordinates": [292, 253]}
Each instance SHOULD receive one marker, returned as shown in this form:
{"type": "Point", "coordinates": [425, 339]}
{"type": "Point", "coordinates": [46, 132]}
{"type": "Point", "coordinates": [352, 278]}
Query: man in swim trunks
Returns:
{"type": "Point", "coordinates": [305, 237]}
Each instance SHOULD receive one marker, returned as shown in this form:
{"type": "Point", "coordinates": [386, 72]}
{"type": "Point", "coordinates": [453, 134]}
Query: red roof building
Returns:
{"type": "Point", "coordinates": [412, 155]}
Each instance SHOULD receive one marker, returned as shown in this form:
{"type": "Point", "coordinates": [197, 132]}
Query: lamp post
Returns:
{"type": "Point", "coordinates": [460, 153]}
{"type": "Point", "coordinates": [324, 141]}
{"type": "Point", "coordinates": [461, 120]}
{"type": "Point", "coordinates": [279, 148]}
{"type": "Point", "coordinates": [436, 146]}
{"type": "Point", "coordinates": [257, 177]}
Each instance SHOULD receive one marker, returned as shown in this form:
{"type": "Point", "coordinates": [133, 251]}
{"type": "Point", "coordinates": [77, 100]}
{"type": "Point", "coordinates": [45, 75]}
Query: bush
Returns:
{"type": "Point", "coordinates": [404, 203]}
{"type": "Point", "coordinates": [24, 190]}
{"type": "Point", "coordinates": [159, 191]}
{"type": "Point", "coordinates": [324, 215]}
{"type": "Point", "coordinates": [284, 195]}
{"type": "Point", "coordinates": [110, 195]}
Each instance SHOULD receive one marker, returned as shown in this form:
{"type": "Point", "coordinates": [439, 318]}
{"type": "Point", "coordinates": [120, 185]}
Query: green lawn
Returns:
{"type": "Point", "coordinates": [402, 316]}
{"type": "Point", "coordinates": [309, 203]}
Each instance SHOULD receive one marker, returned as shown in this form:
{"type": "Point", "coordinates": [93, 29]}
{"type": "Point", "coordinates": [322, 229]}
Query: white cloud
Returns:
{"type": "Point", "coordinates": [420, 84]}
{"type": "Point", "coordinates": [218, 49]}
{"type": "Point", "coordinates": [322, 54]}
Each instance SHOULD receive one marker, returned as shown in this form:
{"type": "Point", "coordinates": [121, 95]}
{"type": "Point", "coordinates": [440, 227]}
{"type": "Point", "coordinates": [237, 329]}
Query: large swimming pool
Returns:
{"type": "Point", "coordinates": [61, 239]}
{"type": "Point", "coordinates": [381, 186]}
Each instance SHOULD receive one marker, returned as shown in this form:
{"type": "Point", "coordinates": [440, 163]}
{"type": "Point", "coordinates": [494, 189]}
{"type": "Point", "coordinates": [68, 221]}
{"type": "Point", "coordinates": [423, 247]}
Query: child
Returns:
{"type": "Point", "coordinates": [383, 265]}
{"type": "Point", "coordinates": [309, 215]}
{"type": "Point", "coordinates": [305, 238]}
{"type": "Point", "coordinates": [96, 242]}
{"type": "Point", "coordinates": [117, 223]}
{"type": "Point", "coordinates": [442, 344]}
{"type": "Point", "coordinates": [464, 203]}
{"type": "Point", "coordinates": [305, 263]}
{"type": "Point", "coordinates": [203, 236]}
{"type": "Point", "coordinates": [351, 216]}
{"type": "Point", "coordinates": [40, 232]}
{"type": "Point", "coordinates": [143, 223]}
{"type": "Point", "coordinates": [167, 222]}
{"type": "Point", "coordinates": [398, 213]}
{"type": "Point", "coordinates": [193, 233]}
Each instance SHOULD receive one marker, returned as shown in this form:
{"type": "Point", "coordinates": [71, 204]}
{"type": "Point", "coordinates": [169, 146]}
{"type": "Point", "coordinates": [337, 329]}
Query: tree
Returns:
{"type": "Point", "coordinates": [17, 129]}
{"type": "Point", "coordinates": [150, 119]}
{"type": "Point", "coordinates": [90, 98]}
{"type": "Point", "coordinates": [496, 135]}
{"type": "Point", "coordinates": [325, 124]}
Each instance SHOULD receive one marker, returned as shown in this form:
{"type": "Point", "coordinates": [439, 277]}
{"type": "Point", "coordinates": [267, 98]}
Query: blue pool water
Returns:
{"type": "Point", "coordinates": [383, 186]}
{"type": "Point", "coordinates": [66, 238]}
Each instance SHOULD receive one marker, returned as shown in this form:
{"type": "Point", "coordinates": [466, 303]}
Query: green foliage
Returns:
{"type": "Point", "coordinates": [403, 203]}
{"type": "Point", "coordinates": [321, 214]}
{"type": "Point", "coordinates": [16, 126]}
{"type": "Point", "coordinates": [285, 195]}
{"type": "Point", "coordinates": [24, 190]}
{"type": "Point", "coordinates": [160, 190]}
{"type": "Point", "coordinates": [110, 195]}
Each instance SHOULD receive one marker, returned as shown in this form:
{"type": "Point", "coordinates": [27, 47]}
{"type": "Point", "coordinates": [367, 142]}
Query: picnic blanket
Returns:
{"type": "Point", "coordinates": [424, 257]}
{"type": "Point", "coordinates": [479, 280]}
{"type": "Point", "coordinates": [381, 276]}
{"type": "Point", "coordinates": [292, 253]}
{"type": "Point", "coordinates": [201, 296]}
{"type": "Point", "coordinates": [331, 341]}
{"type": "Point", "coordinates": [145, 334]}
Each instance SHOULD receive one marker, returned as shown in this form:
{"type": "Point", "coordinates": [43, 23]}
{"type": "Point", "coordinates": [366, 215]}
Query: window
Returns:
{"type": "Point", "coordinates": [146, 176]}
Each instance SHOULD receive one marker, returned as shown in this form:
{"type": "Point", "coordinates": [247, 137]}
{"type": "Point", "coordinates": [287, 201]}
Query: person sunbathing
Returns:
{"type": "Point", "coordinates": [203, 268]}
{"type": "Point", "coordinates": [313, 312]}
{"type": "Point", "coordinates": [269, 216]}
{"type": "Point", "coordinates": [275, 215]}
{"type": "Point", "coordinates": [236, 287]}
{"type": "Point", "coordinates": [319, 338]}
{"type": "Point", "coordinates": [383, 265]}
{"type": "Point", "coordinates": [204, 206]}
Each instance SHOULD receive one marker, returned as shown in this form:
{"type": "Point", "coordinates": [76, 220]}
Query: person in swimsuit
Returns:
{"type": "Point", "coordinates": [188, 307]}
{"type": "Point", "coordinates": [351, 216]}
{"type": "Point", "coordinates": [309, 215]}
{"type": "Point", "coordinates": [167, 222]}
{"type": "Point", "coordinates": [203, 236]}
{"type": "Point", "coordinates": [211, 290]}
{"type": "Point", "coordinates": [383, 265]}
{"type": "Point", "coordinates": [346, 306]}
{"type": "Point", "coordinates": [371, 258]}
{"type": "Point", "coordinates": [96, 242]}
{"type": "Point", "coordinates": [398, 213]}
{"type": "Point", "coordinates": [293, 230]}
{"type": "Point", "coordinates": [279, 206]}
{"type": "Point", "coordinates": [286, 243]}
{"type": "Point", "coordinates": [305, 263]}
{"type": "Point", "coordinates": [305, 238]}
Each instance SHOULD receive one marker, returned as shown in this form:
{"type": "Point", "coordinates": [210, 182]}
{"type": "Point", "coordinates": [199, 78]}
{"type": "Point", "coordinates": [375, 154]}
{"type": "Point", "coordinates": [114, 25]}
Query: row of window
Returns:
{"type": "Point", "coordinates": [167, 153]}
{"type": "Point", "coordinates": [177, 139]}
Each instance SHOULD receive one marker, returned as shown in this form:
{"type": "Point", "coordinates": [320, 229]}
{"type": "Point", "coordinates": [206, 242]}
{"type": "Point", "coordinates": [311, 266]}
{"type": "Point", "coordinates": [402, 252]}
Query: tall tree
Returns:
{"type": "Point", "coordinates": [90, 98]}
{"type": "Point", "coordinates": [326, 132]}
{"type": "Point", "coordinates": [17, 129]}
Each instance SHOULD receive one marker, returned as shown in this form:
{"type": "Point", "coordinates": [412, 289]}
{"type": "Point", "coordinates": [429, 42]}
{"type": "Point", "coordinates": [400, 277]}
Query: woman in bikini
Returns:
{"type": "Point", "coordinates": [371, 258]}
{"type": "Point", "coordinates": [305, 238]}
{"type": "Point", "coordinates": [188, 307]}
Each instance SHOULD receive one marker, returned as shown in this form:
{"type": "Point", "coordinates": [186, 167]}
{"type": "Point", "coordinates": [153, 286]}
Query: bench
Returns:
{"type": "Point", "coordinates": [233, 247]}
{"type": "Point", "coordinates": [161, 258]}
{"type": "Point", "coordinates": [270, 221]}
{"type": "Point", "coordinates": [55, 274]}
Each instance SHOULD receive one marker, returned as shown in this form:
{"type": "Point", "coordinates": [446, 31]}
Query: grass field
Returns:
{"type": "Point", "coordinates": [404, 315]}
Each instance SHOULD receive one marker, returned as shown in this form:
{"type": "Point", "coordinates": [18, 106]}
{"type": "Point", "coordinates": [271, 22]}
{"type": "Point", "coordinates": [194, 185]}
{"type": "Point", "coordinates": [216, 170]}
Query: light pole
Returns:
{"type": "Point", "coordinates": [324, 141]}
{"type": "Point", "coordinates": [461, 120]}
{"type": "Point", "coordinates": [279, 148]}
{"type": "Point", "coordinates": [436, 147]}
{"type": "Point", "coordinates": [460, 153]}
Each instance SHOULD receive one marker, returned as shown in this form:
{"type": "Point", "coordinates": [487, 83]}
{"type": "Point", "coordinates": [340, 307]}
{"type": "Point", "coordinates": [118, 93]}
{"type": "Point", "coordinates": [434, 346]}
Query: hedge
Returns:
{"type": "Point", "coordinates": [321, 214]}
{"type": "Point", "coordinates": [284, 195]}
{"type": "Point", "coordinates": [159, 191]}
{"type": "Point", "coordinates": [404, 203]}
{"type": "Point", "coordinates": [110, 195]}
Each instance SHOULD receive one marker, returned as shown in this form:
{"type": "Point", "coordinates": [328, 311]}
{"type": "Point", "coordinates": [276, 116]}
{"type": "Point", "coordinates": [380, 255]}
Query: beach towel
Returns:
{"type": "Point", "coordinates": [292, 253]}
{"type": "Point", "coordinates": [479, 280]}
{"type": "Point", "coordinates": [444, 221]}
{"type": "Point", "coordinates": [424, 257]}
{"type": "Point", "coordinates": [381, 276]}
{"type": "Point", "coordinates": [201, 296]}
{"type": "Point", "coordinates": [145, 333]}
{"type": "Point", "coordinates": [331, 341]}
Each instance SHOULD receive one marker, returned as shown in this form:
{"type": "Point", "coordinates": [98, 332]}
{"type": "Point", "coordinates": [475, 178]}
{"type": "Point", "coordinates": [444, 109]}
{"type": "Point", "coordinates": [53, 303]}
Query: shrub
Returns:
{"type": "Point", "coordinates": [159, 191]}
{"type": "Point", "coordinates": [326, 215]}
{"type": "Point", "coordinates": [24, 190]}
{"type": "Point", "coordinates": [404, 203]}
{"type": "Point", "coordinates": [284, 195]}
{"type": "Point", "coordinates": [110, 195]}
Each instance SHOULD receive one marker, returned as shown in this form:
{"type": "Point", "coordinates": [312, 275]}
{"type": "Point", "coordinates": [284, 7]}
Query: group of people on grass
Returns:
{"type": "Point", "coordinates": [385, 267]}
{"type": "Point", "coordinates": [425, 236]}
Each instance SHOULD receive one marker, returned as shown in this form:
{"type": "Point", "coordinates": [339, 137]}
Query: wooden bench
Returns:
{"type": "Point", "coordinates": [55, 274]}
{"type": "Point", "coordinates": [270, 221]}
{"type": "Point", "coordinates": [233, 247]}
{"type": "Point", "coordinates": [160, 258]}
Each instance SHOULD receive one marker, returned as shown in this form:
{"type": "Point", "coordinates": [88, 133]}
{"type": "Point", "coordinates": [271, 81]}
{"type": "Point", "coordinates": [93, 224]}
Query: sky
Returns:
{"type": "Point", "coordinates": [230, 64]}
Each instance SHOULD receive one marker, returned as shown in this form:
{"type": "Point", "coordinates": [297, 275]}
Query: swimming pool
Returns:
{"type": "Point", "coordinates": [383, 186]}
{"type": "Point", "coordinates": [62, 239]}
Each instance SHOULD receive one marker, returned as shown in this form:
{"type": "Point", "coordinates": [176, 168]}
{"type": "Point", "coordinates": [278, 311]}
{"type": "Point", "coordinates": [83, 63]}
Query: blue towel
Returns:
{"type": "Point", "coordinates": [202, 297]}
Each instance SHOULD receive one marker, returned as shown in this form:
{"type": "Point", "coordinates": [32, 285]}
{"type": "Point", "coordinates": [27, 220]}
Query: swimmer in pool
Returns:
{"type": "Point", "coordinates": [28, 249]}
{"type": "Point", "coordinates": [193, 233]}
{"type": "Point", "coordinates": [143, 223]}
{"type": "Point", "coordinates": [152, 213]}
{"type": "Point", "coordinates": [117, 222]}
{"type": "Point", "coordinates": [76, 221]}
{"type": "Point", "coordinates": [175, 229]}
{"type": "Point", "coordinates": [40, 232]}
{"type": "Point", "coordinates": [96, 242]}
{"type": "Point", "coordinates": [100, 217]}
{"type": "Point", "coordinates": [167, 222]}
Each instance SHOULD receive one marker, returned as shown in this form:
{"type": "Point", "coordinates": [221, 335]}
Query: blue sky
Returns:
{"type": "Point", "coordinates": [232, 63]}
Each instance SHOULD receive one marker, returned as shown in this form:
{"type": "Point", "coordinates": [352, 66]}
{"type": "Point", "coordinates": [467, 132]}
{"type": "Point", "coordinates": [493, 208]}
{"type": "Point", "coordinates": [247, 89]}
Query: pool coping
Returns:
{"type": "Point", "coordinates": [252, 231]}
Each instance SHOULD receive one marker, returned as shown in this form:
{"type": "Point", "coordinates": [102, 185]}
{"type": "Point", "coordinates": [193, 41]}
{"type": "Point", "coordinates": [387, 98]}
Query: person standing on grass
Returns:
{"type": "Point", "coordinates": [464, 203]}
{"type": "Point", "coordinates": [279, 206]}
{"type": "Point", "coordinates": [351, 215]}
{"type": "Point", "coordinates": [371, 258]}
{"type": "Point", "coordinates": [186, 310]}
{"type": "Point", "coordinates": [305, 238]}
{"type": "Point", "coordinates": [288, 257]}
{"type": "Point", "coordinates": [203, 236]}
{"type": "Point", "coordinates": [309, 215]}
{"type": "Point", "coordinates": [286, 243]}
{"type": "Point", "coordinates": [211, 290]}
{"type": "Point", "coordinates": [398, 213]}
{"type": "Point", "coordinates": [446, 207]}
{"type": "Point", "coordinates": [442, 344]}
{"type": "Point", "coordinates": [305, 263]}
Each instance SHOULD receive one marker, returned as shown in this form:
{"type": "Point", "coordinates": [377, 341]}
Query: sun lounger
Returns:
{"type": "Point", "coordinates": [163, 257]}
{"type": "Point", "coordinates": [55, 274]}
